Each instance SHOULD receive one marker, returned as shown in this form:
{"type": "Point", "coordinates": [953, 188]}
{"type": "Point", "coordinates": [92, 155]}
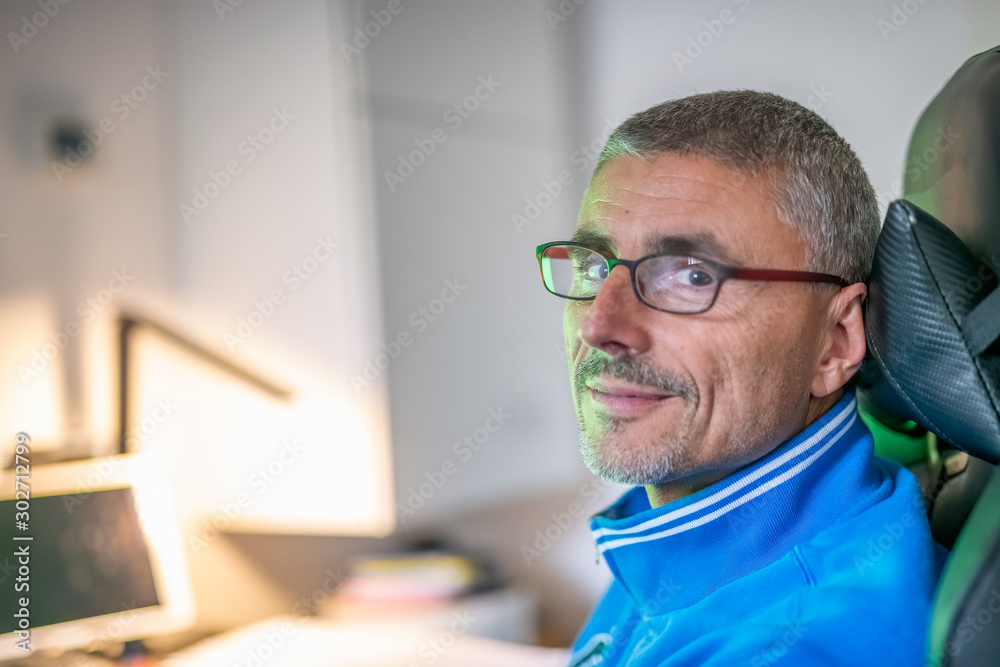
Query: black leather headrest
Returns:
{"type": "Point", "coordinates": [932, 322]}
{"type": "Point", "coordinates": [953, 162]}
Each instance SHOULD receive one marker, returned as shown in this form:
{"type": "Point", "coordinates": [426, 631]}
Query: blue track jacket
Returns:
{"type": "Point", "coordinates": [817, 554]}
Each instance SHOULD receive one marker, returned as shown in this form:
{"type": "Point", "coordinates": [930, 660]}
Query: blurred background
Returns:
{"type": "Point", "coordinates": [287, 250]}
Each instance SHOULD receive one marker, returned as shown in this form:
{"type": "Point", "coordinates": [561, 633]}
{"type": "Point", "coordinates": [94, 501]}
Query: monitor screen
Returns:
{"type": "Point", "coordinates": [104, 559]}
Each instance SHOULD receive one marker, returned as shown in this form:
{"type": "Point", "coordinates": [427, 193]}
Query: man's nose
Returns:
{"type": "Point", "coordinates": [615, 321]}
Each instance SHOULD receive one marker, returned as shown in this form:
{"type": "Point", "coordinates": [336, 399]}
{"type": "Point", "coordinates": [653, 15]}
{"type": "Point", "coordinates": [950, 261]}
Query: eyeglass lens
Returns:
{"type": "Point", "coordinates": [666, 282]}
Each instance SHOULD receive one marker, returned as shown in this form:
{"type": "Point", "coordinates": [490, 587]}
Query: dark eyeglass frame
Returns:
{"type": "Point", "coordinates": [724, 273]}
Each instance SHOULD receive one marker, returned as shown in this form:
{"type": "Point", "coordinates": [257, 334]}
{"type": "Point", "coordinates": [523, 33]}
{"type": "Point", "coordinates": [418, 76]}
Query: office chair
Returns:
{"type": "Point", "coordinates": [933, 329]}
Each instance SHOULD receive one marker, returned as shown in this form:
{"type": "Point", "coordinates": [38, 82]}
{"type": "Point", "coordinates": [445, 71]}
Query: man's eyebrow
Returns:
{"type": "Point", "coordinates": [704, 246]}
{"type": "Point", "coordinates": [592, 239]}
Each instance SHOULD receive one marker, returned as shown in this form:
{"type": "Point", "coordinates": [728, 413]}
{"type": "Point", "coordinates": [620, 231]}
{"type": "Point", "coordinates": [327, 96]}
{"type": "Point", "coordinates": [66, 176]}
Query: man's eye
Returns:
{"type": "Point", "coordinates": [695, 277]}
{"type": "Point", "coordinates": [593, 270]}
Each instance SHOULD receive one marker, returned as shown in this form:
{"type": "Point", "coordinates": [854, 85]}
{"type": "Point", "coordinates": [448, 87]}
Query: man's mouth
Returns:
{"type": "Point", "coordinates": [624, 399]}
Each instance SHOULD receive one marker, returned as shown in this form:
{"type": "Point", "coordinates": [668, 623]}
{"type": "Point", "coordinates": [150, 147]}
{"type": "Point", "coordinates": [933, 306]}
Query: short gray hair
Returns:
{"type": "Point", "coordinates": [818, 183]}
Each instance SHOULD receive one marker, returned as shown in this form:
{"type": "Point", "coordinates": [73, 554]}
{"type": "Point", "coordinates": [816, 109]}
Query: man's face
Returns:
{"type": "Point", "coordinates": [665, 398]}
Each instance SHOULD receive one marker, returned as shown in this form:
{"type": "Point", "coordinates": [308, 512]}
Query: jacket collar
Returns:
{"type": "Point", "coordinates": [743, 522]}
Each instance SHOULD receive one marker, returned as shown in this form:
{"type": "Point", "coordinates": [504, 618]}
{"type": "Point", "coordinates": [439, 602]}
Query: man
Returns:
{"type": "Point", "coordinates": [714, 324]}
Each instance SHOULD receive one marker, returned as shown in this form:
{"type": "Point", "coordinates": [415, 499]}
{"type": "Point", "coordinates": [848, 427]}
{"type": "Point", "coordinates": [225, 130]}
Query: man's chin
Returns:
{"type": "Point", "coordinates": [617, 464]}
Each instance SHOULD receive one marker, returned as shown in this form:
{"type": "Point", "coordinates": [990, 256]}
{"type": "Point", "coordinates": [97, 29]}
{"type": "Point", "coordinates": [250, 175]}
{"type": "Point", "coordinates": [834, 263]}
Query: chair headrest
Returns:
{"type": "Point", "coordinates": [953, 161]}
{"type": "Point", "coordinates": [932, 320]}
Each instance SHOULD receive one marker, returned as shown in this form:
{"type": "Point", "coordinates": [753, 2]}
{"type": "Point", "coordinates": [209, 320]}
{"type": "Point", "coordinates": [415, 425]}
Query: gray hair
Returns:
{"type": "Point", "coordinates": [819, 185]}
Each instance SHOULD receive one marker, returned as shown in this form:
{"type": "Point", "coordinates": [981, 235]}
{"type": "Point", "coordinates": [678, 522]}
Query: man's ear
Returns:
{"type": "Point", "coordinates": [844, 341]}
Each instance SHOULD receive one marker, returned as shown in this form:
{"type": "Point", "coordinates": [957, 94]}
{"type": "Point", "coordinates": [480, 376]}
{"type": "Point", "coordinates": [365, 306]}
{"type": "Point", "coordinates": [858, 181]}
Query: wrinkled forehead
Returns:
{"type": "Point", "coordinates": [688, 205]}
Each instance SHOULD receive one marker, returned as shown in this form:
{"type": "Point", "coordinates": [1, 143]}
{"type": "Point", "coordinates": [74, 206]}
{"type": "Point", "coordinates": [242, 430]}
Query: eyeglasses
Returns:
{"type": "Point", "coordinates": [668, 283]}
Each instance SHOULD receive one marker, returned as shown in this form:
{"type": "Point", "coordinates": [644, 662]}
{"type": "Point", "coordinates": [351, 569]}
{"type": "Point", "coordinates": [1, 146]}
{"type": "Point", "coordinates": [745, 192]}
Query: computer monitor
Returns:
{"type": "Point", "coordinates": [104, 562]}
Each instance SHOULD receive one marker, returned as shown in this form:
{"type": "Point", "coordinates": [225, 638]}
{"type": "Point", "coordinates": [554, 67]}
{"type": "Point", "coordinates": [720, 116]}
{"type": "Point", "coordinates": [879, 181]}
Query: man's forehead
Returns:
{"type": "Point", "coordinates": [667, 175]}
{"type": "Point", "coordinates": [685, 205]}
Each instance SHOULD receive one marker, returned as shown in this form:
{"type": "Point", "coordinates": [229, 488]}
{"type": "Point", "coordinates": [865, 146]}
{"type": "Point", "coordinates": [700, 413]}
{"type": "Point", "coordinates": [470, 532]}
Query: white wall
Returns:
{"type": "Point", "coordinates": [276, 258]}
{"type": "Point", "coordinates": [868, 67]}
{"type": "Point", "coordinates": [495, 347]}
{"type": "Point", "coordinates": [218, 79]}
{"type": "Point", "coordinates": [67, 230]}
{"type": "Point", "coordinates": [258, 71]}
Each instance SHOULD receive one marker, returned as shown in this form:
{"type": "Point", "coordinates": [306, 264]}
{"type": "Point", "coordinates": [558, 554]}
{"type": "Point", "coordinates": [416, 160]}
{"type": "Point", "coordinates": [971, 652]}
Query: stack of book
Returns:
{"type": "Point", "coordinates": [405, 583]}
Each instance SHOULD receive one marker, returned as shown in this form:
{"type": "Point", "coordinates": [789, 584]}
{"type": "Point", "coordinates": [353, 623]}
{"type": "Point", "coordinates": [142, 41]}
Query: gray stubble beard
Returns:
{"type": "Point", "coordinates": [660, 459]}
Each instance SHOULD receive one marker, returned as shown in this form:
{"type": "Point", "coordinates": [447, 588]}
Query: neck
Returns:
{"type": "Point", "coordinates": [667, 492]}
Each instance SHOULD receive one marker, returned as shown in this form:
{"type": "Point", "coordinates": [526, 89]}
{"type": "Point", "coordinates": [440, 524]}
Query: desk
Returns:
{"type": "Point", "coordinates": [311, 642]}
{"type": "Point", "coordinates": [477, 631]}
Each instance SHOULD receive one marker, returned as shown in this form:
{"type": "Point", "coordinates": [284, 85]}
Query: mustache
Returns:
{"type": "Point", "coordinates": [632, 370]}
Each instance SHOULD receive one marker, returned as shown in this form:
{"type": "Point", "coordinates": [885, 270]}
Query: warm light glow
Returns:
{"type": "Point", "coordinates": [240, 459]}
{"type": "Point", "coordinates": [158, 517]}
{"type": "Point", "coordinates": [343, 481]}
{"type": "Point", "coordinates": [31, 373]}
